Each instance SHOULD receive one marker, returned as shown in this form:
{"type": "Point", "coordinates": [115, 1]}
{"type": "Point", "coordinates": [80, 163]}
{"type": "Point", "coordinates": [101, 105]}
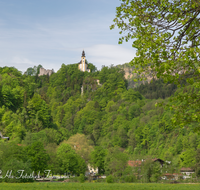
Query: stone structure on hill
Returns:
{"type": "Point", "coordinates": [45, 72]}
{"type": "Point", "coordinates": [83, 65]}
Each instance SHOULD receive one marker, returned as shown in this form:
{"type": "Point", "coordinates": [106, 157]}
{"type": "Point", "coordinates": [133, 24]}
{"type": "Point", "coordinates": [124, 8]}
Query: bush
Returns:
{"type": "Point", "coordinates": [81, 178]}
{"type": "Point", "coordinates": [109, 179]}
{"type": "Point", "coordinates": [13, 167]}
{"type": "Point", "coordinates": [101, 180]}
{"type": "Point", "coordinates": [74, 179]}
{"type": "Point", "coordinates": [61, 179]}
{"type": "Point", "coordinates": [130, 179]}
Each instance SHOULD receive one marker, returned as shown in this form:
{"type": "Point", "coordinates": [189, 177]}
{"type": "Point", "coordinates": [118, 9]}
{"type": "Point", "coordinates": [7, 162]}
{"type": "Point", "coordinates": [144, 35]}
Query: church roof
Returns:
{"type": "Point", "coordinates": [85, 62]}
{"type": "Point", "coordinates": [83, 54]}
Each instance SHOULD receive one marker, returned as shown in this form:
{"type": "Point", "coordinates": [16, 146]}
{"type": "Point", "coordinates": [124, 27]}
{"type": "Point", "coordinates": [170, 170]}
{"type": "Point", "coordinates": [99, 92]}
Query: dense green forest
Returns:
{"type": "Point", "coordinates": [52, 126]}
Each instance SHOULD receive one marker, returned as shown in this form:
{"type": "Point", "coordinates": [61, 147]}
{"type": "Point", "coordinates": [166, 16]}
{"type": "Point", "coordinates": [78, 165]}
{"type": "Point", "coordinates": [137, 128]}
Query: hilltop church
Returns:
{"type": "Point", "coordinates": [83, 65]}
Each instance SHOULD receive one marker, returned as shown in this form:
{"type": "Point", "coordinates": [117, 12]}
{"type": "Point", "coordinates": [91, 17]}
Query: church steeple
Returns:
{"type": "Point", "coordinates": [83, 54]}
{"type": "Point", "coordinates": [83, 63]}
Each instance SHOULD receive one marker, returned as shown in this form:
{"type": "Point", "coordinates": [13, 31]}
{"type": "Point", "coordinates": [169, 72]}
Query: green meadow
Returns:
{"type": "Point", "coordinates": [97, 186]}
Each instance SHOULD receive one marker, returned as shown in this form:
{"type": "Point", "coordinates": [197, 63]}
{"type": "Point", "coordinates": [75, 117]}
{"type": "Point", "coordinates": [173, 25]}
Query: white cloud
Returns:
{"type": "Point", "coordinates": [106, 54]}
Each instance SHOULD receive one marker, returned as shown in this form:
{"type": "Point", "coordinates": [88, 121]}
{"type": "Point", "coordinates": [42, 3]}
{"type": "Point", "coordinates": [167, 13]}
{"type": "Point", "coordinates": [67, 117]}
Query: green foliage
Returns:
{"type": "Point", "coordinates": [45, 136]}
{"type": "Point", "coordinates": [115, 161]}
{"type": "Point", "coordinates": [66, 82]}
{"type": "Point", "coordinates": [38, 112]}
{"type": "Point", "coordinates": [92, 67]}
{"type": "Point", "coordinates": [47, 118]}
{"type": "Point", "coordinates": [156, 89]}
{"type": "Point", "coordinates": [166, 37]}
{"type": "Point", "coordinates": [38, 157]}
{"type": "Point", "coordinates": [134, 111]}
{"type": "Point", "coordinates": [132, 96]}
{"type": "Point", "coordinates": [33, 71]}
{"type": "Point", "coordinates": [156, 172]}
{"type": "Point", "coordinates": [12, 151]}
{"type": "Point", "coordinates": [18, 169]}
{"type": "Point", "coordinates": [109, 179]}
{"type": "Point", "coordinates": [98, 158]}
{"type": "Point", "coordinates": [130, 179]}
{"type": "Point", "coordinates": [187, 158]}
{"type": "Point", "coordinates": [69, 161]}
{"type": "Point", "coordinates": [82, 178]}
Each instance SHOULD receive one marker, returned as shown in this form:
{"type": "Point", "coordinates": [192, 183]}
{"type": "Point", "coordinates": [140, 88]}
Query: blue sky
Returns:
{"type": "Point", "coordinates": [52, 32]}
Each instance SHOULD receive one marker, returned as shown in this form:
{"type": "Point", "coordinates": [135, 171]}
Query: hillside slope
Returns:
{"type": "Point", "coordinates": [51, 109]}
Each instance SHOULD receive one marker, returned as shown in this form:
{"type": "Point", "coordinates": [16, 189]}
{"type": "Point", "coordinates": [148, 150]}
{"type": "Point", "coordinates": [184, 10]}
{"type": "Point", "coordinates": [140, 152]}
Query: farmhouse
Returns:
{"type": "Point", "coordinates": [138, 163]}
{"type": "Point", "coordinates": [187, 172]}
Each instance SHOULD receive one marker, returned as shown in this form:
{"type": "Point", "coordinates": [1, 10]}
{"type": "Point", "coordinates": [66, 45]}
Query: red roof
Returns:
{"type": "Point", "coordinates": [168, 174]}
{"type": "Point", "coordinates": [134, 163]}
{"type": "Point", "coordinates": [187, 170]}
{"type": "Point", "coordinates": [174, 174]}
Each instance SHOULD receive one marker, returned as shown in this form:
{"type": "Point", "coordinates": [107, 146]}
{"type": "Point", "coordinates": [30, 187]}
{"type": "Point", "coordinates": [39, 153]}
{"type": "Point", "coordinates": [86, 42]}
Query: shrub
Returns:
{"type": "Point", "coordinates": [61, 179]}
{"type": "Point", "coordinates": [81, 178]}
{"type": "Point", "coordinates": [130, 179]}
{"type": "Point", "coordinates": [13, 167]}
{"type": "Point", "coordinates": [109, 179]}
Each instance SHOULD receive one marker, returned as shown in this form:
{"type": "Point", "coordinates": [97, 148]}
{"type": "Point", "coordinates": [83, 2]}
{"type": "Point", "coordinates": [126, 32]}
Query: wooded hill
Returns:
{"type": "Point", "coordinates": [47, 115]}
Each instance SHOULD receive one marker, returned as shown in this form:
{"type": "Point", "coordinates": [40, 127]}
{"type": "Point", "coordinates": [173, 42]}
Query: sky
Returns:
{"type": "Point", "coordinates": [53, 32]}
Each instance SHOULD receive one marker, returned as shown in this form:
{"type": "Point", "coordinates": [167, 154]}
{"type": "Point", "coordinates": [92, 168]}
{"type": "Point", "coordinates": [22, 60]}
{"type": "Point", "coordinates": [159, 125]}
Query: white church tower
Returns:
{"type": "Point", "coordinates": [83, 66]}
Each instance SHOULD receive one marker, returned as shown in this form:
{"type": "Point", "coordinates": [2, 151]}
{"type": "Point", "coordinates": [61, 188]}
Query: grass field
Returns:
{"type": "Point", "coordinates": [97, 186]}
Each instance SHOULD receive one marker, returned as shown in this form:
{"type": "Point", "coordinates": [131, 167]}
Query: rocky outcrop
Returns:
{"type": "Point", "coordinates": [130, 76]}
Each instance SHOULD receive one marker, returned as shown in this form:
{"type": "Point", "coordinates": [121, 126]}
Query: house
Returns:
{"type": "Point", "coordinates": [187, 172]}
{"type": "Point", "coordinates": [184, 174]}
{"type": "Point", "coordinates": [91, 170]}
{"type": "Point", "coordinates": [170, 176]}
{"type": "Point", "coordinates": [138, 163]}
{"type": "Point", "coordinates": [135, 163]}
{"type": "Point", "coordinates": [159, 160]}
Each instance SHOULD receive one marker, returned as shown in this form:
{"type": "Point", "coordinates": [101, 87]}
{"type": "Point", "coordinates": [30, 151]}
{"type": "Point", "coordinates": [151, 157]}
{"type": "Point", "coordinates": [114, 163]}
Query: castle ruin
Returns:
{"type": "Point", "coordinates": [45, 72]}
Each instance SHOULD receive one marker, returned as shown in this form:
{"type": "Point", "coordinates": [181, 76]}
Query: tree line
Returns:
{"type": "Point", "coordinates": [48, 119]}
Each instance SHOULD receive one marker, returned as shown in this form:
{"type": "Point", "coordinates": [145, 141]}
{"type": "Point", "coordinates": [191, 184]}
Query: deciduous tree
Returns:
{"type": "Point", "coordinates": [166, 35]}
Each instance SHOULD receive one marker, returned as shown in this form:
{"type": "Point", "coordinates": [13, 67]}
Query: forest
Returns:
{"type": "Point", "coordinates": [52, 126]}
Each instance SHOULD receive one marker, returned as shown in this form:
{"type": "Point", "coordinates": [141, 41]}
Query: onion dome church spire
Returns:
{"type": "Point", "coordinates": [83, 66]}
{"type": "Point", "coordinates": [83, 54]}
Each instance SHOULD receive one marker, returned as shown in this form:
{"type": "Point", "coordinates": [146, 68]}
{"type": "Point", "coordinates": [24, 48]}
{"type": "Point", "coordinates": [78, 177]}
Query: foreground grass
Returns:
{"type": "Point", "coordinates": [97, 186]}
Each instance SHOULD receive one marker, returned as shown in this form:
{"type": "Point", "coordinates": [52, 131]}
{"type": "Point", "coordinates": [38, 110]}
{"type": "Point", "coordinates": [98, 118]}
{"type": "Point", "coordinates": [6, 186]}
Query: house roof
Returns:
{"type": "Point", "coordinates": [187, 170]}
{"type": "Point", "coordinates": [174, 174]}
{"type": "Point", "coordinates": [158, 160]}
{"type": "Point", "coordinates": [136, 163]}
{"type": "Point", "coordinates": [168, 174]}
